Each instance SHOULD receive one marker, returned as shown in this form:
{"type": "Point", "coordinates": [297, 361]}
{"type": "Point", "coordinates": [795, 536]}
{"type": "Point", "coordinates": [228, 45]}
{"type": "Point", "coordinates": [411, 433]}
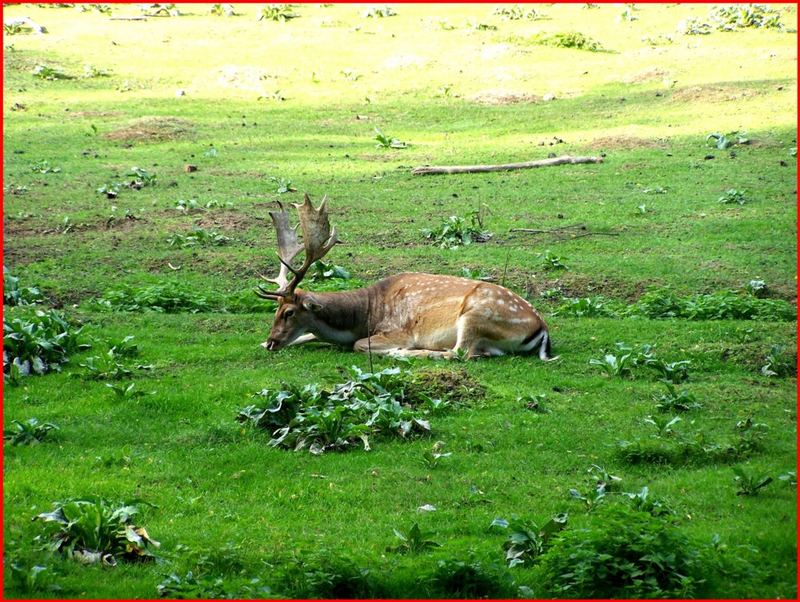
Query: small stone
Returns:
{"type": "Point", "coordinates": [548, 97]}
{"type": "Point", "coordinates": [180, 93]}
{"type": "Point", "coordinates": [189, 168]}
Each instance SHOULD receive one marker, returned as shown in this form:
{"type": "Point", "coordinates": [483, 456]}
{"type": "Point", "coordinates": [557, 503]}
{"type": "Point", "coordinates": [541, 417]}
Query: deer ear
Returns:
{"type": "Point", "coordinates": [311, 305]}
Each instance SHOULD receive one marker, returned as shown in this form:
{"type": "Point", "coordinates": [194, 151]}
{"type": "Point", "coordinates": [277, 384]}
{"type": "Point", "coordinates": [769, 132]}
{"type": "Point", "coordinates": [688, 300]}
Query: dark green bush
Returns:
{"type": "Point", "coordinates": [37, 343]}
{"type": "Point", "coordinates": [625, 553]}
{"type": "Point", "coordinates": [471, 579]}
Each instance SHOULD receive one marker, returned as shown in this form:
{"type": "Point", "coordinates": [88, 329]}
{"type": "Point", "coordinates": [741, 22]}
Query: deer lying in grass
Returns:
{"type": "Point", "coordinates": [407, 314]}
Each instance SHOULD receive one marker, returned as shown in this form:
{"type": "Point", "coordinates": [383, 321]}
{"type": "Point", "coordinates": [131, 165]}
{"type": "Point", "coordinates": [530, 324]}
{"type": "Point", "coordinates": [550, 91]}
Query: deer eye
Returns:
{"type": "Point", "coordinates": [288, 313]}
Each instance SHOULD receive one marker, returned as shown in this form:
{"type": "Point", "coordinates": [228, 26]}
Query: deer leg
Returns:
{"type": "Point", "coordinates": [471, 337]}
{"type": "Point", "coordinates": [398, 344]}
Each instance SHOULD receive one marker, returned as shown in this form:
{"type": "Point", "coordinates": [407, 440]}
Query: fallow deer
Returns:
{"type": "Point", "coordinates": [408, 314]}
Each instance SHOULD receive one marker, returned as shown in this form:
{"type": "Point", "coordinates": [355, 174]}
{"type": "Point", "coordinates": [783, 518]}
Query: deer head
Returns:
{"type": "Point", "coordinates": [293, 316]}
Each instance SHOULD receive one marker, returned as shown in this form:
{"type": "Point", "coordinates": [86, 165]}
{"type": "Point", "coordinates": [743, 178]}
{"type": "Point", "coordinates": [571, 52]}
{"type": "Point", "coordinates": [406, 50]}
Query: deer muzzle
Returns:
{"type": "Point", "coordinates": [271, 345]}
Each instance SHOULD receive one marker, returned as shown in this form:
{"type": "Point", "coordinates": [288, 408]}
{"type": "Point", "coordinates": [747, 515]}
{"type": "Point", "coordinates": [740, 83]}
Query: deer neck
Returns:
{"type": "Point", "coordinates": [347, 316]}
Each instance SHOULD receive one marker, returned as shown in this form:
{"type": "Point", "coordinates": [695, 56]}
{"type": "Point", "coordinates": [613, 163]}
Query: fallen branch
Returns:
{"type": "Point", "coordinates": [531, 231]}
{"type": "Point", "coordinates": [568, 235]}
{"type": "Point", "coordinates": [566, 159]}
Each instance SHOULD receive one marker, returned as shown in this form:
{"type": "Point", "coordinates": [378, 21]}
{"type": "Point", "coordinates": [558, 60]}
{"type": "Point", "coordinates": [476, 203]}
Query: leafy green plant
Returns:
{"type": "Point", "coordinates": [663, 425]}
{"type": "Point", "coordinates": [44, 167]}
{"type": "Point", "coordinates": [14, 294]}
{"type": "Point", "coordinates": [431, 458]}
{"type": "Point", "coordinates": [379, 12]}
{"type": "Point", "coordinates": [673, 372]}
{"type": "Point", "coordinates": [375, 404]}
{"type": "Point", "coordinates": [722, 305]}
{"type": "Point", "coordinates": [284, 185]}
{"type": "Point", "coordinates": [110, 189]}
{"type": "Point", "coordinates": [517, 13]}
{"type": "Point", "coordinates": [456, 231]}
{"type": "Point", "coordinates": [536, 403]}
{"type": "Point", "coordinates": [30, 578]}
{"type": "Point", "coordinates": [413, 541]}
{"type": "Point", "coordinates": [745, 16]}
{"type": "Point", "coordinates": [779, 362]}
{"type": "Point", "coordinates": [625, 553]}
{"type": "Point", "coordinates": [124, 347]}
{"type": "Point", "coordinates": [125, 391]}
{"type": "Point", "coordinates": [222, 10]}
{"type": "Point", "coordinates": [733, 196]}
{"type": "Point", "coordinates": [198, 237]}
{"type": "Point", "coordinates": [603, 479]}
{"type": "Point", "coordinates": [160, 10]}
{"type": "Point", "coordinates": [675, 401]}
{"type": "Point", "coordinates": [104, 367]}
{"type": "Point", "coordinates": [551, 261]}
{"type": "Point", "coordinates": [570, 39]}
{"type": "Point", "coordinates": [592, 499]}
{"type": "Point", "coordinates": [642, 501]}
{"type": "Point", "coordinates": [97, 531]}
{"type": "Point", "coordinates": [277, 12]}
{"type": "Point", "coordinates": [589, 307]}
{"type": "Point", "coordinates": [527, 542]}
{"type": "Point", "coordinates": [164, 298]}
{"type": "Point", "coordinates": [38, 343]}
{"type": "Point", "coordinates": [320, 271]}
{"type": "Point", "coordinates": [29, 432]}
{"type": "Point", "coordinates": [90, 72]}
{"type": "Point", "coordinates": [749, 484]}
{"type": "Point", "coordinates": [325, 574]}
{"type": "Point", "coordinates": [49, 73]}
{"type": "Point", "coordinates": [384, 141]}
{"type": "Point", "coordinates": [141, 178]}
{"type": "Point", "coordinates": [471, 579]}
{"type": "Point", "coordinates": [694, 27]}
{"type": "Point", "coordinates": [622, 365]}
{"type": "Point", "coordinates": [722, 141]}
{"type": "Point", "coordinates": [191, 586]}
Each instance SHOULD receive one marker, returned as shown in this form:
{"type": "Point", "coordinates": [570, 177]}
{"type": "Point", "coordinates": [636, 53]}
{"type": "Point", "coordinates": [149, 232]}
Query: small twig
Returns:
{"type": "Point", "coordinates": [505, 268]}
{"type": "Point", "coordinates": [369, 335]}
{"type": "Point", "coordinates": [530, 231]}
{"type": "Point", "coordinates": [594, 234]}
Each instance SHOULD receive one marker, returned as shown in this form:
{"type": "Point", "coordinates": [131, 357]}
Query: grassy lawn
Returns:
{"type": "Point", "coordinates": [252, 103]}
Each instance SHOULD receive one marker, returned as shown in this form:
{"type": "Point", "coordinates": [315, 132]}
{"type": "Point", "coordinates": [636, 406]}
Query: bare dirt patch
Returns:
{"type": "Point", "coordinates": [85, 114]}
{"type": "Point", "coordinates": [626, 143]}
{"type": "Point", "coordinates": [714, 93]}
{"type": "Point", "coordinates": [654, 73]}
{"type": "Point", "coordinates": [232, 221]}
{"type": "Point", "coordinates": [152, 129]}
{"type": "Point", "coordinates": [504, 97]}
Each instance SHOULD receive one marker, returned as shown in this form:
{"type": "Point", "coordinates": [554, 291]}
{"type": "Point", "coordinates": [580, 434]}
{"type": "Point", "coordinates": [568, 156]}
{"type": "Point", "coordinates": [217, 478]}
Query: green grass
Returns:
{"type": "Point", "coordinates": [649, 109]}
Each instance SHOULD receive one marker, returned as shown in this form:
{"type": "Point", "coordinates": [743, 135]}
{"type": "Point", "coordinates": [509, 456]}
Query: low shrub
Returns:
{"type": "Point", "coordinates": [570, 39]}
{"type": "Point", "coordinates": [14, 294]}
{"type": "Point", "coordinates": [97, 531]}
{"type": "Point", "coordinates": [471, 579]}
{"type": "Point", "coordinates": [663, 303]}
{"type": "Point", "coordinates": [458, 231]}
{"type": "Point", "coordinates": [37, 343]}
{"type": "Point", "coordinates": [370, 405]}
{"type": "Point", "coordinates": [625, 553]}
{"type": "Point", "coordinates": [29, 432]}
{"type": "Point", "coordinates": [527, 541]}
{"type": "Point", "coordinates": [165, 298]}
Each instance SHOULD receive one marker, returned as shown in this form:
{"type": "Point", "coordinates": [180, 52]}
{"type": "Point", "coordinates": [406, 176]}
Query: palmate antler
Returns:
{"type": "Point", "coordinates": [318, 239]}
